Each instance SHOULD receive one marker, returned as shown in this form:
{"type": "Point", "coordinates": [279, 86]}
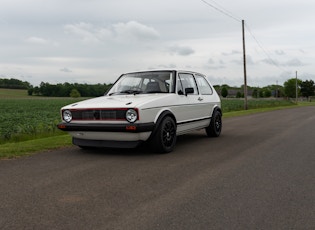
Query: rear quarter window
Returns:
{"type": "Point", "coordinates": [203, 85]}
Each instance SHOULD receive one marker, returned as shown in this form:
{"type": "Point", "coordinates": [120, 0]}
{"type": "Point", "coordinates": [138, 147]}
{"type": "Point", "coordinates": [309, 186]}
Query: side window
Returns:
{"type": "Point", "coordinates": [203, 85]}
{"type": "Point", "coordinates": [187, 81]}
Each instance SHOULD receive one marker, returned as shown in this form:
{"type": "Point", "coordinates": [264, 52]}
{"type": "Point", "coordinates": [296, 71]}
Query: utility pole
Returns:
{"type": "Point", "coordinates": [244, 61]}
{"type": "Point", "coordinates": [296, 88]}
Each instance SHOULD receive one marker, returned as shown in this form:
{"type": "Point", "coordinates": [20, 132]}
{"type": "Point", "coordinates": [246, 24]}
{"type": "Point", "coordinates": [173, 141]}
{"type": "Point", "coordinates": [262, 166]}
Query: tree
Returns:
{"type": "Point", "coordinates": [255, 93]}
{"type": "Point", "coordinates": [267, 93]}
{"type": "Point", "coordinates": [224, 92]}
{"type": "Point", "coordinates": [30, 91]}
{"type": "Point", "coordinates": [75, 93]}
{"type": "Point", "coordinates": [239, 94]}
{"type": "Point", "coordinates": [290, 87]}
{"type": "Point", "coordinates": [308, 88]}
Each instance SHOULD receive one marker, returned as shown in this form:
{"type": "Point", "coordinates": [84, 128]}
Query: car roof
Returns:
{"type": "Point", "coordinates": [170, 70]}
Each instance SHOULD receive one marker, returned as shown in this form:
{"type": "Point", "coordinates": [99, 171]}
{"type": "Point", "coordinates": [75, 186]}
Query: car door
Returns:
{"type": "Point", "coordinates": [190, 111]}
{"type": "Point", "coordinates": [206, 96]}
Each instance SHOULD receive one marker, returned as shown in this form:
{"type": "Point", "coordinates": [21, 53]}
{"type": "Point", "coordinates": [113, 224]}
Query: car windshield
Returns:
{"type": "Point", "coordinates": [144, 82]}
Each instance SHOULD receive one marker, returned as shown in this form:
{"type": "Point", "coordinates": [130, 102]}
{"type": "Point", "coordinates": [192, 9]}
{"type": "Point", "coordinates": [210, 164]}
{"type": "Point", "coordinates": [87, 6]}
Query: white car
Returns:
{"type": "Point", "coordinates": [150, 106]}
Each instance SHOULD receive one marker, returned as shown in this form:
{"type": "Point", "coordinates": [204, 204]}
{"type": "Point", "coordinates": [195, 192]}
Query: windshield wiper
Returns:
{"type": "Point", "coordinates": [127, 92]}
{"type": "Point", "coordinates": [131, 91]}
{"type": "Point", "coordinates": [155, 91]}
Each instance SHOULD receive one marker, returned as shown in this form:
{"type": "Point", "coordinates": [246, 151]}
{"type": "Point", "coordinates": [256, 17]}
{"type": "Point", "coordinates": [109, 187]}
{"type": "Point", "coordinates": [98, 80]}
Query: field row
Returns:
{"type": "Point", "coordinates": [27, 118]}
{"type": "Point", "coordinates": [230, 105]}
{"type": "Point", "coordinates": [22, 119]}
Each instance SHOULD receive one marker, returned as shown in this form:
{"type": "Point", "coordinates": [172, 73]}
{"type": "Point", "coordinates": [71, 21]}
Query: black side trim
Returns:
{"type": "Point", "coordinates": [157, 107]}
{"type": "Point", "coordinates": [99, 127]}
{"type": "Point", "coordinates": [186, 122]}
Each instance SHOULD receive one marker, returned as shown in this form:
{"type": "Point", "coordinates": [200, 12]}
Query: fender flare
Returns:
{"type": "Point", "coordinates": [217, 108]}
{"type": "Point", "coordinates": [159, 120]}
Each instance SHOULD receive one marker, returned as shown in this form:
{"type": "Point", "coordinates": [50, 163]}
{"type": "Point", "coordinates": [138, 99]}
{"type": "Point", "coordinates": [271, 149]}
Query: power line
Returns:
{"type": "Point", "coordinates": [264, 50]}
{"type": "Point", "coordinates": [222, 10]}
{"type": "Point", "coordinates": [231, 15]}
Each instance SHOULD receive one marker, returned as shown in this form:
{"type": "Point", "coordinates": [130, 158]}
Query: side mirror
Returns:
{"type": "Point", "coordinates": [189, 91]}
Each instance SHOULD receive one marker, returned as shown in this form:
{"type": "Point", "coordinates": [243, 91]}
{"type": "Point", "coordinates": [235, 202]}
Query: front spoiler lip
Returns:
{"type": "Point", "coordinates": [100, 127]}
{"type": "Point", "coordinates": [105, 143]}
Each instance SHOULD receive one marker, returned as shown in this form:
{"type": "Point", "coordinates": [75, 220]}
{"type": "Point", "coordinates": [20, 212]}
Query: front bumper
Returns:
{"type": "Point", "coordinates": [108, 135]}
{"type": "Point", "coordinates": [100, 127]}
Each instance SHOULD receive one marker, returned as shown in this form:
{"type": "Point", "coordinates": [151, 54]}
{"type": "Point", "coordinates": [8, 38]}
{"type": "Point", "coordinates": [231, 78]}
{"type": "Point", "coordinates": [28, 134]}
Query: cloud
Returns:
{"type": "Point", "coordinates": [249, 61]}
{"type": "Point", "coordinates": [40, 41]}
{"type": "Point", "coordinates": [66, 70]}
{"type": "Point", "coordinates": [169, 66]}
{"type": "Point", "coordinates": [135, 30]}
{"type": "Point", "coordinates": [233, 52]}
{"type": "Point", "coordinates": [37, 40]}
{"type": "Point", "coordinates": [294, 62]}
{"type": "Point", "coordinates": [270, 61]}
{"type": "Point", "coordinates": [279, 52]}
{"type": "Point", "coordinates": [86, 32]}
{"type": "Point", "coordinates": [121, 32]}
{"type": "Point", "coordinates": [181, 50]}
{"type": "Point", "coordinates": [210, 61]}
{"type": "Point", "coordinates": [211, 64]}
{"type": "Point", "coordinates": [222, 62]}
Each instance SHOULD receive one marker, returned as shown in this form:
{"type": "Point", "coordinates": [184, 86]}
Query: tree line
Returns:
{"type": "Point", "coordinates": [56, 90]}
{"type": "Point", "coordinates": [14, 84]}
{"type": "Point", "coordinates": [68, 89]}
{"type": "Point", "coordinates": [305, 89]}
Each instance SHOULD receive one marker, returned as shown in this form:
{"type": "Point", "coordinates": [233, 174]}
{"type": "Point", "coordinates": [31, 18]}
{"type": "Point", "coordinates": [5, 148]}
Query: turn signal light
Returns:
{"type": "Point", "coordinates": [61, 126]}
{"type": "Point", "coordinates": [131, 128]}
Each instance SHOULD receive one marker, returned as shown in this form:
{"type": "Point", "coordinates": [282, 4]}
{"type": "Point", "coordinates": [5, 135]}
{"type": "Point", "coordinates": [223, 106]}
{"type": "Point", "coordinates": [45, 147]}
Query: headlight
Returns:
{"type": "Point", "coordinates": [67, 116]}
{"type": "Point", "coordinates": [131, 115]}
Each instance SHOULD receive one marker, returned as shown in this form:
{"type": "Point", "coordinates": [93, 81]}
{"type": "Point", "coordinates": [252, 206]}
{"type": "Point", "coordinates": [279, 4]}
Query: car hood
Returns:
{"type": "Point", "coordinates": [118, 101]}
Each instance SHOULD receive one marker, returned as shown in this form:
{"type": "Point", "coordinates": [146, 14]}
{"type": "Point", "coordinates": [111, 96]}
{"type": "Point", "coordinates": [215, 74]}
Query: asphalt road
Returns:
{"type": "Point", "coordinates": [260, 174]}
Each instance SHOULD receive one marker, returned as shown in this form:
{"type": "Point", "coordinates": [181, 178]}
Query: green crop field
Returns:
{"type": "Point", "coordinates": [231, 105]}
{"type": "Point", "coordinates": [24, 117]}
{"type": "Point", "coordinates": [12, 93]}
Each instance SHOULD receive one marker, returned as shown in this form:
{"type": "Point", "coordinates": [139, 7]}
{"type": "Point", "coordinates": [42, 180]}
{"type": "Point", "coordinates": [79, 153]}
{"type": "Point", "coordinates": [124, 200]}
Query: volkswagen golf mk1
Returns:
{"type": "Point", "coordinates": [149, 106]}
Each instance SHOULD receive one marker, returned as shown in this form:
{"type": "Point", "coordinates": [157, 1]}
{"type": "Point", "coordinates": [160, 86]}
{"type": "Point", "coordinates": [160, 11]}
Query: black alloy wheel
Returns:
{"type": "Point", "coordinates": [165, 138]}
{"type": "Point", "coordinates": [215, 127]}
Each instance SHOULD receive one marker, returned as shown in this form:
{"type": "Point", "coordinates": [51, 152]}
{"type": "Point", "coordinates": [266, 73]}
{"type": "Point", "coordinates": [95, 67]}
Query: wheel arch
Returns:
{"type": "Point", "coordinates": [160, 118]}
{"type": "Point", "coordinates": [217, 108]}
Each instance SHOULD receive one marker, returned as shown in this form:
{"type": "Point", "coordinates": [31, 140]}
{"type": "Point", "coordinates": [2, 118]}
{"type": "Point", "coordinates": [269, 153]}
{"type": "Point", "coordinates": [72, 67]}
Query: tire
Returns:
{"type": "Point", "coordinates": [164, 139]}
{"type": "Point", "coordinates": [215, 126]}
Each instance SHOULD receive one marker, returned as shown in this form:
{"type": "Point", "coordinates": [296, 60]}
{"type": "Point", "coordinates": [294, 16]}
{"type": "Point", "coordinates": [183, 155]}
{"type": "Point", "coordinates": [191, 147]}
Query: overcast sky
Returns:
{"type": "Point", "coordinates": [94, 41]}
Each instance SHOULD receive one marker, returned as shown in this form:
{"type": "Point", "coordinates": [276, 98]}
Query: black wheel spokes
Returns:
{"type": "Point", "coordinates": [217, 124]}
{"type": "Point", "coordinates": [168, 134]}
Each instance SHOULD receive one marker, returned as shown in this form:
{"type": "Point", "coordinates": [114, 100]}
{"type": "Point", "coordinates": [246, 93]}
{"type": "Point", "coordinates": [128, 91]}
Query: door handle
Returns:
{"type": "Point", "coordinates": [200, 99]}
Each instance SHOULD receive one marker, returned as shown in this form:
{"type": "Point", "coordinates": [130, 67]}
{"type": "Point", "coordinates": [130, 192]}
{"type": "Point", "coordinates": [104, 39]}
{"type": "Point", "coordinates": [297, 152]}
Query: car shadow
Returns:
{"type": "Point", "coordinates": [140, 150]}
{"type": "Point", "coordinates": [144, 149]}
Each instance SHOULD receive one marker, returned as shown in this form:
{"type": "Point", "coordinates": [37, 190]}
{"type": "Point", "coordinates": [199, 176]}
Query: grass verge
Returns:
{"type": "Point", "coordinates": [12, 150]}
{"type": "Point", "coordinates": [261, 110]}
{"type": "Point", "coordinates": [17, 149]}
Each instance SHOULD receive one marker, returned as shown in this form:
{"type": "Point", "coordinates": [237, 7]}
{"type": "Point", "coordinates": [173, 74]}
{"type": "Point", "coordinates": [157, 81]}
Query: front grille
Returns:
{"type": "Point", "coordinates": [98, 114]}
